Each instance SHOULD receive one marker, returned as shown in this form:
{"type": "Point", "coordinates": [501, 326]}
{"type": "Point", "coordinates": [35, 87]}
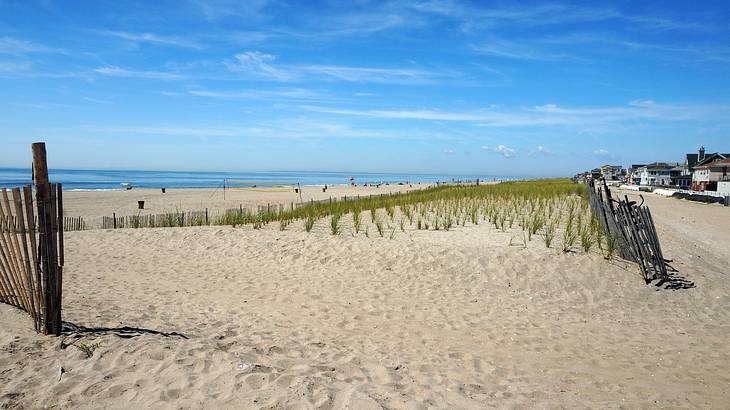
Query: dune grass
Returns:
{"type": "Point", "coordinates": [546, 208]}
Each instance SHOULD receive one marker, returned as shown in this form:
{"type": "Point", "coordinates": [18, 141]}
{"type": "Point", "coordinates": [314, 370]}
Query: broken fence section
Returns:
{"type": "Point", "coordinates": [632, 227]}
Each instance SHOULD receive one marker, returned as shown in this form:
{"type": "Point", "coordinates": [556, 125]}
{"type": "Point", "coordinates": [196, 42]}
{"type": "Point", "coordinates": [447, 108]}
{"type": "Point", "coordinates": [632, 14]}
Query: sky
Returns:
{"type": "Point", "coordinates": [447, 87]}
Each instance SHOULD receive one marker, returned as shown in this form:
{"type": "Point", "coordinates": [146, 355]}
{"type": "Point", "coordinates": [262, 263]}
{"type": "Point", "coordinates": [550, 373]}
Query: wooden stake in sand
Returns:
{"type": "Point", "coordinates": [47, 230]}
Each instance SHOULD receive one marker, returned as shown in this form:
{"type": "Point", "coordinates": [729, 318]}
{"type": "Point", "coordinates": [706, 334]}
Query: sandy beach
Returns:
{"type": "Point", "coordinates": [346, 205]}
{"type": "Point", "coordinates": [222, 317]}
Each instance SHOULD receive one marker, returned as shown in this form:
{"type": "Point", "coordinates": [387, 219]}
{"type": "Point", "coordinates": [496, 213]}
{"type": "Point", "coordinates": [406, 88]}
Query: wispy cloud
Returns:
{"type": "Point", "coordinates": [97, 100]}
{"type": "Point", "coordinates": [432, 115]}
{"type": "Point", "coordinates": [12, 67]}
{"type": "Point", "coordinates": [552, 115]}
{"type": "Point", "coordinates": [289, 94]}
{"type": "Point", "coordinates": [296, 128]}
{"type": "Point", "coordinates": [174, 131]}
{"type": "Point", "coordinates": [540, 150]}
{"type": "Point", "coordinates": [259, 64]}
{"type": "Point", "coordinates": [114, 71]}
{"type": "Point", "coordinates": [675, 51]}
{"type": "Point", "coordinates": [251, 10]}
{"type": "Point", "coordinates": [601, 152]}
{"type": "Point", "coordinates": [498, 47]}
{"type": "Point", "coordinates": [474, 17]}
{"type": "Point", "coordinates": [374, 75]}
{"type": "Point", "coordinates": [153, 38]}
{"type": "Point", "coordinates": [14, 46]}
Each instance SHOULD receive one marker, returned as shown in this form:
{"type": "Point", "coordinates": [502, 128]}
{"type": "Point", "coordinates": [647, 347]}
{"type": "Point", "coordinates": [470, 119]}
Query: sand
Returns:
{"type": "Point", "coordinates": [221, 317]}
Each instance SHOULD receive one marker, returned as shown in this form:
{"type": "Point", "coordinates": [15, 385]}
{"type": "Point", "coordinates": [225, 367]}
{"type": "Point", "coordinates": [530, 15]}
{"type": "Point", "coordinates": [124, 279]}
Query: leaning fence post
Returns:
{"type": "Point", "coordinates": [47, 241]}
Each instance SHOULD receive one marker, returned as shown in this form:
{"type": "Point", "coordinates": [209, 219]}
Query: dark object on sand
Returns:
{"type": "Point", "coordinates": [140, 204]}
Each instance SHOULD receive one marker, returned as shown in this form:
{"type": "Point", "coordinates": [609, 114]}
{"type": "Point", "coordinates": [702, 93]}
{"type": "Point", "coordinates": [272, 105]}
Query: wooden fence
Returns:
{"type": "Point", "coordinates": [204, 218]}
{"type": "Point", "coordinates": [632, 228]}
{"type": "Point", "coordinates": [74, 223]}
{"type": "Point", "coordinates": [31, 247]}
{"type": "Point", "coordinates": [31, 255]}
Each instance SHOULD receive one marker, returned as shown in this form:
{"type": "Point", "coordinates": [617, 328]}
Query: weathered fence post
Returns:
{"type": "Point", "coordinates": [47, 242]}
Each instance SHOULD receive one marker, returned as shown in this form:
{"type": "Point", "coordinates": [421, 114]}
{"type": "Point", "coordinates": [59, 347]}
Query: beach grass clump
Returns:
{"type": "Point", "coordinates": [309, 223]}
{"type": "Point", "coordinates": [549, 232]}
{"type": "Point", "coordinates": [335, 224]}
{"type": "Point", "coordinates": [356, 220]}
{"type": "Point", "coordinates": [587, 238]}
{"type": "Point", "coordinates": [390, 211]}
{"type": "Point", "coordinates": [569, 234]}
{"type": "Point", "coordinates": [611, 245]}
{"type": "Point", "coordinates": [380, 226]}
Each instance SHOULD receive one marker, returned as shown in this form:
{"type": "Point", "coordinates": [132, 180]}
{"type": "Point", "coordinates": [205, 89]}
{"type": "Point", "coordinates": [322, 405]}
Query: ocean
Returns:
{"type": "Point", "coordinates": [82, 180]}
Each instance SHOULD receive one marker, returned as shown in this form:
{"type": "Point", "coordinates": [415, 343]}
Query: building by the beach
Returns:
{"type": "Point", "coordinates": [612, 172]}
{"type": "Point", "coordinates": [706, 177]}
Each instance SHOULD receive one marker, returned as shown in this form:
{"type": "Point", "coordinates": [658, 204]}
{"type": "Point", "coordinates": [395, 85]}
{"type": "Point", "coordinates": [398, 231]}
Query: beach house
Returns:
{"type": "Point", "coordinates": [705, 177]}
{"type": "Point", "coordinates": [702, 158]}
{"type": "Point", "coordinates": [655, 174]}
{"type": "Point", "coordinates": [612, 172]}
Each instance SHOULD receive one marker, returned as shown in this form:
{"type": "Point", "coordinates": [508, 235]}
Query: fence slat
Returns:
{"type": "Point", "coordinates": [13, 250]}
{"type": "Point", "coordinates": [38, 283]}
{"type": "Point", "coordinates": [28, 277]}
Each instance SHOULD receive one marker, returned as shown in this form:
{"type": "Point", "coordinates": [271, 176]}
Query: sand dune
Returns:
{"type": "Point", "coordinates": [93, 205]}
{"type": "Point", "coordinates": [221, 317]}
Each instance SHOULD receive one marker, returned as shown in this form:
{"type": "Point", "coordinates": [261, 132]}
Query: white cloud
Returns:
{"type": "Point", "coordinates": [449, 151]}
{"type": "Point", "coordinates": [114, 71]}
{"type": "Point", "coordinates": [435, 115]}
{"type": "Point", "coordinates": [153, 38]}
{"type": "Point", "coordinates": [12, 68]}
{"type": "Point", "coordinates": [498, 47]}
{"type": "Point", "coordinates": [506, 152]}
{"type": "Point", "coordinates": [503, 150]}
{"type": "Point", "coordinates": [542, 151]}
{"type": "Point", "coordinates": [96, 100]}
{"type": "Point", "coordinates": [370, 74]}
{"type": "Point", "coordinates": [218, 9]}
{"type": "Point", "coordinates": [288, 93]}
{"type": "Point", "coordinates": [258, 64]}
{"type": "Point", "coordinates": [489, 17]}
{"type": "Point", "coordinates": [295, 128]}
{"type": "Point", "coordinates": [10, 45]}
{"type": "Point", "coordinates": [552, 115]}
{"type": "Point", "coordinates": [601, 152]}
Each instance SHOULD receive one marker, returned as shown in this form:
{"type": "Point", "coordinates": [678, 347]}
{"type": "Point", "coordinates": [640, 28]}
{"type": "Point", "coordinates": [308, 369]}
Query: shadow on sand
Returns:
{"type": "Point", "coordinates": [675, 280]}
{"type": "Point", "coordinates": [125, 332]}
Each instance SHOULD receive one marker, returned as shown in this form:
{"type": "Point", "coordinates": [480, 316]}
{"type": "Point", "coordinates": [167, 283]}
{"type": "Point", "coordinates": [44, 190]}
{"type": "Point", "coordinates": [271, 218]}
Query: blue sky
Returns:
{"type": "Point", "coordinates": [458, 87]}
